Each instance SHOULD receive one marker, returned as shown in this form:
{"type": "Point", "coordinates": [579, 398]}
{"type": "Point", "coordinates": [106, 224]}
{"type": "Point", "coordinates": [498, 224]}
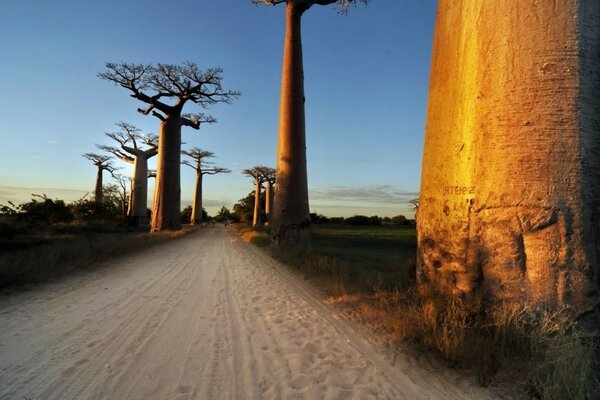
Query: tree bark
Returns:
{"type": "Point", "coordinates": [256, 219]}
{"type": "Point", "coordinates": [139, 192]}
{"type": "Point", "coordinates": [98, 195]}
{"type": "Point", "coordinates": [291, 218]}
{"type": "Point", "coordinates": [167, 194]}
{"type": "Point", "coordinates": [196, 217]}
{"type": "Point", "coordinates": [510, 189]}
{"type": "Point", "coordinates": [268, 201]}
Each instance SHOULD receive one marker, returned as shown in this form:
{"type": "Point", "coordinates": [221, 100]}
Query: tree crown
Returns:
{"type": "Point", "coordinates": [342, 5]}
{"type": "Point", "coordinates": [182, 83]}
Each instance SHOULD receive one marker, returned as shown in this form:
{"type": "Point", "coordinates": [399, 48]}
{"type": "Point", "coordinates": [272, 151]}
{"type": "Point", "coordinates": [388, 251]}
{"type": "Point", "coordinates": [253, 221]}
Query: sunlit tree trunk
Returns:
{"type": "Point", "coordinates": [196, 217]}
{"type": "Point", "coordinates": [510, 191]}
{"type": "Point", "coordinates": [291, 218]}
{"type": "Point", "coordinates": [256, 218]}
{"type": "Point", "coordinates": [139, 193]}
{"type": "Point", "coordinates": [167, 193]}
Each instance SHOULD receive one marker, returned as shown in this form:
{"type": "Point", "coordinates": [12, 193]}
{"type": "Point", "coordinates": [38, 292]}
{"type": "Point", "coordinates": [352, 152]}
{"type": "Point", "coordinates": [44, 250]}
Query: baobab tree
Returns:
{"type": "Point", "coordinates": [202, 167]}
{"type": "Point", "coordinates": [291, 216]}
{"type": "Point", "coordinates": [102, 163]}
{"type": "Point", "coordinates": [510, 191]}
{"type": "Point", "coordinates": [268, 178]}
{"type": "Point", "coordinates": [130, 151]}
{"type": "Point", "coordinates": [182, 83]}
{"type": "Point", "coordinates": [257, 174]}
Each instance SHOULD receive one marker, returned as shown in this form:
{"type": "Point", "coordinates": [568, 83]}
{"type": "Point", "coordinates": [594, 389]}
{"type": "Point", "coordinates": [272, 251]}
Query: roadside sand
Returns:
{"type": "Point", "coordinates": [204, 317]}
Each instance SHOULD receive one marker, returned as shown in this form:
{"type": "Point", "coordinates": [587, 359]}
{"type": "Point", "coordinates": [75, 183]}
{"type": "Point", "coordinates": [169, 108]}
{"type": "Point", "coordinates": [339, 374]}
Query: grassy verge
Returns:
{"type": "Point", "coordinates": [36, 256]}
{"type": "Point", "coordinates": [532, 352]}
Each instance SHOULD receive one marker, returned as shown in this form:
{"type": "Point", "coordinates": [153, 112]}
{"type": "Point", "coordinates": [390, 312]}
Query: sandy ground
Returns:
{"type": "Point", "coordinates": [204, 317]}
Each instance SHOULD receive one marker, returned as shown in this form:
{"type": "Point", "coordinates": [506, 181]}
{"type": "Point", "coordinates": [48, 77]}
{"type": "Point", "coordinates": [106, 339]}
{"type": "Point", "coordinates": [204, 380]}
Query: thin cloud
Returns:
{"type": "Point", "coordinates": [386, 194]}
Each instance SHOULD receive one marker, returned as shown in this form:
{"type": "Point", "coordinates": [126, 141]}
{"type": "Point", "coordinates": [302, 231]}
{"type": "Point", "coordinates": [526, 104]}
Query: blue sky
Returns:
{"type": "Point", "coordinates": [366, 81]}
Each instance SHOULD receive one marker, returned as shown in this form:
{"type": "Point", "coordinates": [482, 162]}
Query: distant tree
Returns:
{"type": "Point", "coordinates": [363, 220]}
{"type": "Point", "coordinates": [243, 210]}
{"type": "Point", "coordinates": [122, 183]}
{"type": "Point", "coordinates": [224, 215]}
{"type": "Point", "coordinates": [318, 219]}
{"type": "Point", "coordinates": [186, 214]}
{"type": "Point", "coordinates": [202, 167]}
{"type": "Point", "coordinates": [130, 151]}
{"type": "Point", "coordinates": [257, 174]}
{"type": "Point", "coordinates": [399, 220]}
{"type": "Point", "coordinates": [102, 163]}
{"type": "Point", "coordinates": [182, 83]}
{"type": "Point", "coordinates": [268, 178]}
{"type": "Point", "coordinates": [291, 219]}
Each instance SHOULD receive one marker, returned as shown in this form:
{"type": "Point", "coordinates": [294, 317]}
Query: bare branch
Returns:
{"type": "Point", "coordinates": [101, 161]}
{"type": "Point", "coordinates": [113, 150]}
{"type": "Point", "coordinates": [255, 173]}
{"type": "Point", "coordinates": [216, 170]}
{"type": "Point", "coordinates": [195, 120]}
{"type": "Point", "coordinates": [159, 116]}
{"type": "Point", "coordinates": [342, 5]}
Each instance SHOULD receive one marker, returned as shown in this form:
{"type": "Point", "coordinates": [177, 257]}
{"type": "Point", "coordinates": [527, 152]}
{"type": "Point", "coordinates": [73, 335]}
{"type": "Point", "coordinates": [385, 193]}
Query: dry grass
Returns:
{"type": "Point", "coordinates": [540, 353]}
{"type": "Point", "coordinates": [530, 352]}
{"type": "Point", "coordinates": [49, 256]}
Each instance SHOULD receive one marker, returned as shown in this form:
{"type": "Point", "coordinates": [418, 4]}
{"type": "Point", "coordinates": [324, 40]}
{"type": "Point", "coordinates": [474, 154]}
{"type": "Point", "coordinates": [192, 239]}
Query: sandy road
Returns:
{"type": "Point", "coordinates": [203, 317]}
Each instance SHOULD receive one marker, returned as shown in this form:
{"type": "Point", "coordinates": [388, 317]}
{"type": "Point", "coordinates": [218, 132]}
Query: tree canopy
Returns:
{"type": "Point", "coordinates": [182, 83]}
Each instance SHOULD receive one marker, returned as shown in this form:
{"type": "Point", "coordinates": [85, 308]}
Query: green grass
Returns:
{"type": "Point", "coordinates": [383, 256]}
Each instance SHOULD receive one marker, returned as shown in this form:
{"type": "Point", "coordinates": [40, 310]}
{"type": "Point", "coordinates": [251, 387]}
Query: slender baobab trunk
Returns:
{"type": "Point", "coordinates": [256, 219]}
{"type": "Point", "coordinates": [268, 201]}
{"type": "Point", "coordinates": [167, 195]}
{"type": "Point", "coordinates": [139, 192]}
{"type": "Point", "coordinates": [98, 194]}
{"type": "Point", "coordinates": [196, 217]}
{"type": "Point", "coordinates": [291, 218]}
{"type": "Point", "coordinates": [510, 193]}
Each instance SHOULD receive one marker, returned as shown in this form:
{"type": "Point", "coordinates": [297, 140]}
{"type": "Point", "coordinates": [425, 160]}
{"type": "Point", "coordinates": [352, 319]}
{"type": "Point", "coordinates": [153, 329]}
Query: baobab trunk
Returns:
{"type": "Point", "coordinates": [291, 218]}
{"type": "Point", "coordinates": [510, 191]}
{"type": "Point", "coordinates": [268, 201]}
{"type": "Point", "coordinates": [196, 217]}
{"type": "Point", "coordinates": [167, 195]}
{"type": "Point", "coordinates": [139, 193]}
{"type": "Point", "coordinates": [256, 219]}
{"type": "Point", "coordinates": [98, 189]}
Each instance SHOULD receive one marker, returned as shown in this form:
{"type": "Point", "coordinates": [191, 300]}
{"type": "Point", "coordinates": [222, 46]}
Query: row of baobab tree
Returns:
{"type": "Point", "coordinates": [482, 234]}
{"type": "Point", "coordinates": [262, 175]}
{"type": "Point", "coordinates": [136, 148]}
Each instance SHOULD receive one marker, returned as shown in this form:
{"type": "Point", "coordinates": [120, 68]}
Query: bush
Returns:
{"type": "Point", "coordinates": [90, 211]}
{"type": "Point", "coordinates": [40, 209]}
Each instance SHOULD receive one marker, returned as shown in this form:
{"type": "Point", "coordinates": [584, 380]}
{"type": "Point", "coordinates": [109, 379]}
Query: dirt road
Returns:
{"type": "Point", "coordinates": [203, 317]}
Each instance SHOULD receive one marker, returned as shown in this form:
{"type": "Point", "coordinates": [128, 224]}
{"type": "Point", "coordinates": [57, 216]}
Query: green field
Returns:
{"type": "Point", "coordinates": [372, 256]}
{"type": "Point", "coordinates": [379, 246]}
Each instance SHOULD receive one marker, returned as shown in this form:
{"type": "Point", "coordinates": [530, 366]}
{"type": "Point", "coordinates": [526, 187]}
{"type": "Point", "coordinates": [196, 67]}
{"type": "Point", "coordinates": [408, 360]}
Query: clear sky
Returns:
{"type": "Point", "coordinates": [366, 81]}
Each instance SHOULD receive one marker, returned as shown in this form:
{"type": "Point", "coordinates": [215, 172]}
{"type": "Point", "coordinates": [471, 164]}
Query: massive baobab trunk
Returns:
{"type": "Point", "coordinates": [291, 218]}
{"type": "Point", "coordinates": [510, 192]}
{"type": "Point", "coordinates": [196, 217]}
{"type": "Point", "coordinates": [167, 193]}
